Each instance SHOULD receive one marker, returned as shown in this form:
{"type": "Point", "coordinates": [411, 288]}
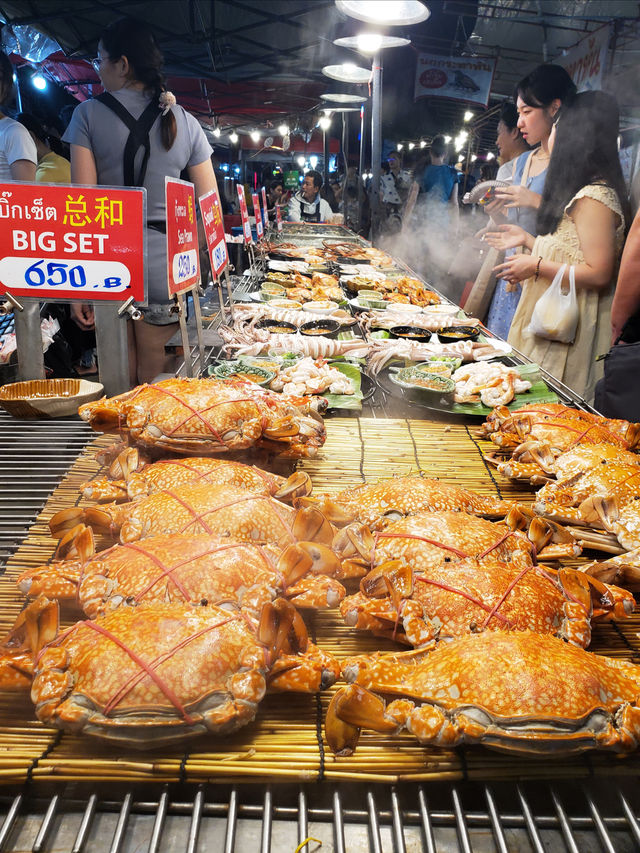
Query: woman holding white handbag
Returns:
{"type": "Point", "coordinates": [580, 224]}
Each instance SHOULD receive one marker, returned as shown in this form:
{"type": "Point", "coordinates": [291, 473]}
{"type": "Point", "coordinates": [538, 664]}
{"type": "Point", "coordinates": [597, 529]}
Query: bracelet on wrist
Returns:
{"type": "Point", "coordinates": [538, 268]}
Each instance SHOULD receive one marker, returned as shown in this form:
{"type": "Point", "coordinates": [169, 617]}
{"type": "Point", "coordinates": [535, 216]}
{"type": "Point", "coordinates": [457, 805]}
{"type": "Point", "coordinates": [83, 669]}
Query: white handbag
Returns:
{"type": "Point", "coordinates": [555, 315]}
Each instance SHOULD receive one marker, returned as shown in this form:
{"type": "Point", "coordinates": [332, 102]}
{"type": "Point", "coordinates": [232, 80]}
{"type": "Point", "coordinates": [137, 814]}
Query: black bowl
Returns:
{"type": "Point", "coordinates": [281, 327]}
{"type": "Point", "coordinates": [458, 333]}
{"type": "Point", "coordinates": [327, 328]}
{"type": "Point", "coordinates": [410, 333]}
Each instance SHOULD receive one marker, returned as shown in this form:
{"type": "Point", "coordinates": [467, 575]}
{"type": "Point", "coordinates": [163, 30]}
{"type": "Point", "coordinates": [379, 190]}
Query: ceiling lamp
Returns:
{"type": "Point", "coordinates": [325, 122]}
{"type": "Point", "coordinates": [390, 12]}
{"type": "Point", "coordinates": [255, 135]}
{"type": "Point", "coordinates": [343, 99]}
{"type": "Point", "coordinates": [233, 138]}
{"type": "Point", "coordinates": [468, 115]}
{"type": "Point", "coordinates": [371, 42]}
{"type": "Point", "coordinates": [348, 73]}
{"type": "Point", "coordinates": [283, 129]}
{"type": "Point", "coordinates": [39, 82]}
{"type": "Point", "coordinates": [341, 110]}
{"type": "Point", "coordinates": [217, 132]}
{"type": "Point", "coordinates": [490, 155]}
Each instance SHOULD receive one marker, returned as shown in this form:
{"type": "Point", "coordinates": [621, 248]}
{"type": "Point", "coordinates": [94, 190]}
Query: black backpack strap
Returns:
{"type": "Point", "coordinates": [138, 136]}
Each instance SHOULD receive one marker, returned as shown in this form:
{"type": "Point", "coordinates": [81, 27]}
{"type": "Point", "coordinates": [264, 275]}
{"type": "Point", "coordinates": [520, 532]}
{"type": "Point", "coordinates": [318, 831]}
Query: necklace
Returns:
{"type": "Point", "coordinates": [540, 155]}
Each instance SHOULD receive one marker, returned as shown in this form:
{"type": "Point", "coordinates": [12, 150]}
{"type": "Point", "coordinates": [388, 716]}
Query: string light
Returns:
{"type": "Point", "coordinates": [399, 146]}
{"type": "Point", "coordinates": [423, 143]}
{"type": "Point", "coordinates": [468, 115]}
{"type": "Point", "coordinates": [255, 135]}
{"type": "Point", "coordinates": [411, 146]}
{"type": "Point", "coordinates": [233, 138]}
{"type": "Point", "coordinates": [283, 129]}
{"type": "Point", "coordinates": [447, 140]}
{"type": "Point", "coordinates": [490, 155]}
{"type": "Point", "coordinates": [216, 132]}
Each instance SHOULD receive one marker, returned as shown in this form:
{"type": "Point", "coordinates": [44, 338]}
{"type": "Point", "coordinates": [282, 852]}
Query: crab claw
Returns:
{"type": "Point", "coordinates": [598, 598]}
{"type": "Point", "coordinates": [358, 708]}
{"type": "Point", "coordinates": [310, 525]}
{"type": "Point", "coordinates": [36, 626]}
{"type": "Point", "coordinates": [296, 486]}
{"type": "Point", "coordinates": [66, 520]}
{"type": "Point", "coordinates": [622, 569]}
{"type": "Point", "coordinates": [77, 543]}
{"type": "Point", "coordinates": [391, 578]}
{"type": "Point", "coordinates": [324, 561]}
{"type": "Point", "coordinates": [551, 540]}
{"type": "Point", "coordinates": [335, 512]}
{"type": "Point", "coordinates": [282, 629]}
{"type": "Point", "coordinates": [125, 464]}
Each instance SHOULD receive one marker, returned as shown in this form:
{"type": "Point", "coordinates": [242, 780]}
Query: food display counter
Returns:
{"type": "Point", "coordinates": [275, 784]}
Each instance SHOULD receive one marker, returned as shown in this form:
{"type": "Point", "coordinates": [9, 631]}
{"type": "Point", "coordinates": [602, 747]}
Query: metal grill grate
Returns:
{"type": "Point", "coordinates": [472, 817]}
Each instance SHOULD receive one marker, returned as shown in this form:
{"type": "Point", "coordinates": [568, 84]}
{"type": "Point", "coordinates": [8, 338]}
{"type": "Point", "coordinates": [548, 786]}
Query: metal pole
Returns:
{"type": "Point", "coordinates": [376, 143]}
{"type": "Point", "coordinates": [113, 351]}
{"type": "Point", "coordinates": [29, 341]}
{"type": "Point", "coordinates": [361, 168]}
{"type": "Point", "coordinates": [325, 154]}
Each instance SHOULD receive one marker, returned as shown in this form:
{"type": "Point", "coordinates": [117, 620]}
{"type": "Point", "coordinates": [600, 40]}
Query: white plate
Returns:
{"type": "Point", "coordinates": [288, 266]}
{"type": "Point", "coordinates": [501, 348]}
{"type": "Point", "coordinates": [356, 304]}
{"type": "Point", "coordinates": [444, 310]}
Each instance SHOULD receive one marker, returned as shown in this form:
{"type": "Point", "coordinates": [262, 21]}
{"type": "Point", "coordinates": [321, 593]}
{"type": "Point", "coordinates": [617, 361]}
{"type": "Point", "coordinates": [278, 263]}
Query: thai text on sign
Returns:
{"type": "Point", "coordinates": [213, 223]}
{"type": "Point", "coordinates": [183, 259]}
{"type": "Point", "coordinates": [258, 215]}
{"type": "Point", "coordinates": [66, 242]}
{"type": "Point", "coordinates": [244, 215]}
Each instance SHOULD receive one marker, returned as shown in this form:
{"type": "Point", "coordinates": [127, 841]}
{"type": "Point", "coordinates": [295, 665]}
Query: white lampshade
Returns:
{"type": "Point", "coordinates": [371, 42]}
{"type": "Point", "coordinates": [343, 99]}
{"type": "Point", "coordinates": [390, 12]}
{"type": "Point", "coordinates": [348, 73]}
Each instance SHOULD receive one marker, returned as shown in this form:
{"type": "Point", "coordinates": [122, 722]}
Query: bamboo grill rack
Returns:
{"type": "Point", "coordinates": [286, 741]}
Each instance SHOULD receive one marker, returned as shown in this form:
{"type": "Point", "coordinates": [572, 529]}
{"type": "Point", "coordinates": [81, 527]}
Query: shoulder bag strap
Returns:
{"type": "Point", "coordinates": [138, 136]}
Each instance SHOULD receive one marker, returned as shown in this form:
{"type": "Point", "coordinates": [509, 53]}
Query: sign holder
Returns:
{"type": "Point", "coordinates": [73, 243]}
{"type": "Point", "coordinates": [183, 262]}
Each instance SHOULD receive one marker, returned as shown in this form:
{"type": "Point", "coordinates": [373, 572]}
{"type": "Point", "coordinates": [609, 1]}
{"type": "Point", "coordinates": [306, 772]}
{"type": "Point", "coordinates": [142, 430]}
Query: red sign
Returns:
{"type": "Point", "coordinates": [278, 217]}
{"type": "Point", "coordinates": [258, 215]}
{"type": "Point", "coordinates": [214, 230]}
{"type": "Point", "coordinates": [244, 214]}
{"type": "Point", "coordinates": [64, 242]}
{"type": "Point", "coordinates": [183, 259]}
{"type": "Point", "coordinates": [265, 208]}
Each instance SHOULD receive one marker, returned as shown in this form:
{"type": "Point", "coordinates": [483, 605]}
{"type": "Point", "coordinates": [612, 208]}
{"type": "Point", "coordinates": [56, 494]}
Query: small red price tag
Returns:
{"type": "Point", "coordinates": [66, 242]}
{"type": "Point", "coordinates": [213, 223]}
{"type": "Point", "coordinates": [244, 215]}
{"type": "Point", "coordinates": [183, 259]}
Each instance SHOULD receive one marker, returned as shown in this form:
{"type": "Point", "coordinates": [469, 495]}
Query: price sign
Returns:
{"type": "Point", "coordinates": [265, 208]}
{"type": "Point", "coordinates": [244, 215]}
{"type": "Point", "coordinates": [64, 242]}
{"type": "Point", "coordinates": [258, 215]}
{"type": "Point", "coordinates": [278, 217]}
{"type": "Point", "coordinates": [183, 259]}
{"type": "Point", "coordinates": [211, 211]}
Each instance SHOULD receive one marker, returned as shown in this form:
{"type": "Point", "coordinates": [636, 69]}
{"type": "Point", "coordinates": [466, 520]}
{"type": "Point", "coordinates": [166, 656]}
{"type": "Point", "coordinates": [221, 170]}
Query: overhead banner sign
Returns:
{"type": "Point", "coordinates": [66, 242]}
{"type": "Point", "coordinates": [183, 258]}
{"type": "Point", "coordinates": [458, 78]}
{"type": "Point", "coordinates": [586, 61]}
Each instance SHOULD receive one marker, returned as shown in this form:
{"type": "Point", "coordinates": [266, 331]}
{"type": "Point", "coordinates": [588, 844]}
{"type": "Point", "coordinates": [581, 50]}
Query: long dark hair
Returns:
{"type": "Point", "coordinates": [585, 151]}
{"type": "Point", "coordinates": [6, 78]}
{"type": "Point", "coordinates": [33, 126]}
{"type": "Point", "coordinates": [545, 84]}
{"type": "Point", "coordinates": [133, 39]}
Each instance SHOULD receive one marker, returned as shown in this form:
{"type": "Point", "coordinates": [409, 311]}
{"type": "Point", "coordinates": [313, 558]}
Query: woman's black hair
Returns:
{"type": "Point", "coordinates": [508, 115]}
{"type": "Point", "coordinates": [6, 78]}
{"type": "Point", "coordinates": [133, 39]}
{"type": "Point", "coordinates": [33, 126]}
{"type": "Point", "coordinates": [585, 151]}
{"type": "Point", "coordinates": [545, 84]}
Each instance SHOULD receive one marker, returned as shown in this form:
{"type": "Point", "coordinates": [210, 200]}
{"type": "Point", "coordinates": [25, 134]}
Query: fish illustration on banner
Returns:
{"type": "Point", "coordinates": [457, 78]}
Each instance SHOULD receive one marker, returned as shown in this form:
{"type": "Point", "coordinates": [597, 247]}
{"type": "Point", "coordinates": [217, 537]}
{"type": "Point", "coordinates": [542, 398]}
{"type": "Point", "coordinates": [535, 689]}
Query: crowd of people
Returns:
{"type": "Point", "coordinates": [562, 202]}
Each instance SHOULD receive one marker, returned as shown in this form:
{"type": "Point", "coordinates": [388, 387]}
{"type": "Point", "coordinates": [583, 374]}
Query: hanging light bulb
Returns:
{"type": "Point", "coordinates": [399, 146]}
{"type": "Point", "coordinates": [216, 132]}
{"type": "Point", "coordinates": [39, 82]}
{"type": "Point", "coordinates": [313, 161]}
{"type": "Point", "coordinates": [255, 135]}
{"type": "Point", "coordinates": [283, 129]}
{"type": "Point", "coordinates": [411, 146]}
{"type": "Point", "coordinates": [324, 122]}
{"type": "Point", "coordinates": [233, 138]}
{"type": "Point", "coordinates": [423, 143]}
{"type": "Point", "coordinates": [490, 155]}
{"type": "Point", "coordinates": [473, 158]}
{"type": "Point", "coordinates": [301, 161]}
{"type": "Point", "coordinates": [447, 140]}
{"type": "Point", "coordinates": [468, 115]}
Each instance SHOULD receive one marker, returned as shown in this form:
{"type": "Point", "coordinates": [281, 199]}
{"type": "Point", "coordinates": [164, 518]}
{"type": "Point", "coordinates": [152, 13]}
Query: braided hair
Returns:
{"type": "Point", "coordinates": [132, 38]}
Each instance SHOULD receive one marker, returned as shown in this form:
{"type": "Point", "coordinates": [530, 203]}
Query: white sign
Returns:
{"type": "Point", "coordinates": [586, 61]}
{"type": "Point", "coordinates": [454, 77]}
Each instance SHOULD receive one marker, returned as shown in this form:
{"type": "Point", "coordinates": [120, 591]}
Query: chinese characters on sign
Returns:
{"type": "Point", "coordinates": [62, 242]}
{"type": "Point", "coordinates": [183, 260]}
{"type": "Point", "coordinates": [244, 214]}
{"type": "Point", "coordinates": [214, 230]}
{"type": "Point", "coordinates": [258, 215]}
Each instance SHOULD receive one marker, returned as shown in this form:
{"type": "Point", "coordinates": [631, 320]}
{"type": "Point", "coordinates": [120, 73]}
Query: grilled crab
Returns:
{"type": "Point", "coordinates": [224, 511]}
{"type": "Point", "coordinates": [208, 416]}
{"type": "Point", "coordinates": [470, 596]}
{"type": "Point", "coordinates": [152, 675]}
{"type": "Point", "coordinates": [514, 691]}
{"type": "Point", "coordinates": [423, 540]}
{"type": "Point", "coordinates": [130, 477]}
{"type": "Point", "coordinates": [36, 626]}
{"type": "Point", "coordinates": [190, 569]}
{"type": "Point", "coordinates": [375, 504]}
{"type": "Point", "coordinates": [506, 421]}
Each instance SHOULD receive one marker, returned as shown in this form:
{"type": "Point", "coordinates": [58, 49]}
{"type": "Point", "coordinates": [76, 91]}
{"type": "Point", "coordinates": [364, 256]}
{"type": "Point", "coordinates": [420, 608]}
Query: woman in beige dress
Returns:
{"type": "Point", "coordinates": [581, 222]}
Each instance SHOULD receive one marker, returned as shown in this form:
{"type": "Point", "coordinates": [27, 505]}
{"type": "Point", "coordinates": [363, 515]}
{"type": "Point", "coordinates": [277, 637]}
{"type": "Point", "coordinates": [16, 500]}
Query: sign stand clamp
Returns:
{"type": "Point", "coordinates": [129, 309]}
{"type": "Point", "coordinates": [10, 305]}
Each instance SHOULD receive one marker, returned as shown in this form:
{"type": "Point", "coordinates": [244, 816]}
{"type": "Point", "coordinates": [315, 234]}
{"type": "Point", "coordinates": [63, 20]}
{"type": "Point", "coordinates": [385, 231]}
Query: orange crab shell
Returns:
{"type": "Point", "coordinates": [514, 691]}
{"type": "Point", "coordinates": [151, 676]}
